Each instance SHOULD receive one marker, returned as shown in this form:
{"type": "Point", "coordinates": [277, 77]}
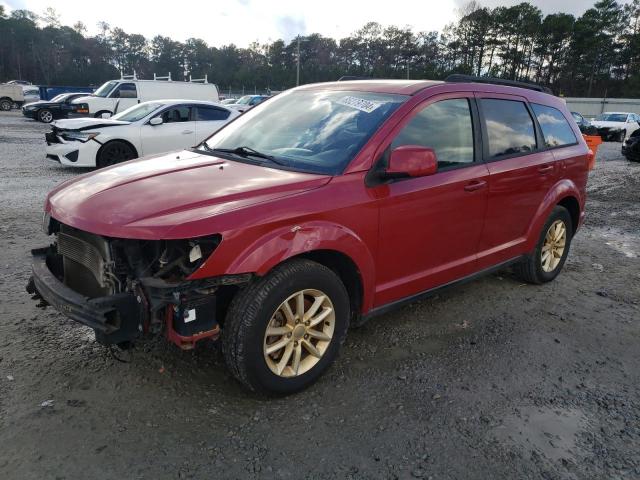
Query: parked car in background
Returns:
{"type": "Point", "coordinates": [584, 125]}
{"type": "Point", "coordinates": [48, 110]}
{"type": "Point", "coordinates": [126, 93]}
{"type": "Point", "coordinates": [325, 206]}
{"type": "Point", "coordinates": [18, 82]}
{"type": "Point", "coordinates": [616, 126]}
{"type": "Point", "coordinates": [248, 101]}
{"type": "Point", "coordinates": [229, 101]}
{"type": "Point", "coordinates": [11, 95]}
{"type": "Point", "coordinates": [144, 129]}
{"type": "Point", "coordinates": [31, 94]}
{"type": "Point", "coordinates": [631, 147]}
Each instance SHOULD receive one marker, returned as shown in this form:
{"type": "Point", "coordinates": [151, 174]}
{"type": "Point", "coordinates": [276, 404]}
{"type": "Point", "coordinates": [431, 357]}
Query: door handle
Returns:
{"type": "Point", "coordinates": [545, 168]}
{"type": "Point", "coordinates": [187, 132]}
{"type": "Point", "coordinates": [475, 185]}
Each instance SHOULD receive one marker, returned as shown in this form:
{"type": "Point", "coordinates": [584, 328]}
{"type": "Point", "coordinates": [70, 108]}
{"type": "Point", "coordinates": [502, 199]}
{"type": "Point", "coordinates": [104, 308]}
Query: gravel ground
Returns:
{"type": "Point", "coordinates": [494, 379]}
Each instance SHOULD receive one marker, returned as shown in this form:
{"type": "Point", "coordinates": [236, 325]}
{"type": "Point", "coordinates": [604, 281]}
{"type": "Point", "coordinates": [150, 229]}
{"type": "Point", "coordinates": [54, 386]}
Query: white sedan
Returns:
{"type": "Point", "coordinates": [616, 126]}
{"type": "Point", "coordinates": [144, 129]}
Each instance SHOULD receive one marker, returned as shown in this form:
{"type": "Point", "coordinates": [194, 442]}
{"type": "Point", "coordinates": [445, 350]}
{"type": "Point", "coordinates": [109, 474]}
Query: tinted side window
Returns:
{"type": "Point", "coordinates": [555, 128]}
{"type": "Point", "coordinates": [509, 127]}
{"type": "Point", "coordinates": [208, 114]}
{"type": "Point", "coordinates": [444, 126]}
{"type": "Point", "coordinates": [126, 90]}
{"type": "Point", "coordinates": [176, 114]}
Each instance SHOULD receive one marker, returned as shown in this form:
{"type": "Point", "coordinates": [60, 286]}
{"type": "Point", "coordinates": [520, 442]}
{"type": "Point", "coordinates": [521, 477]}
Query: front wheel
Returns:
{"type": "Point", "coordinates": [45, 115]}
{"type": "Point", "coordinates": [546, 261]}
{"type": "Point", "coordinates": [114, 152]}
{"type": "Point", "coordinates": [284, 330]}
{"type": "Point", "coordinates": [6, 105]}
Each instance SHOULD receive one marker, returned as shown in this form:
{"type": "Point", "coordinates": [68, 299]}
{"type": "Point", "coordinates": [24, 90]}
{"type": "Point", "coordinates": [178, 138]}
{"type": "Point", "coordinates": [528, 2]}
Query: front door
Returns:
{"type": "Point", "coordinates": [177, 131]}
{"type": "Point", "coordinates": [430, 226]}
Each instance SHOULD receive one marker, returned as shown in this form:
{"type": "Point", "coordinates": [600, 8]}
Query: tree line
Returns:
{"type": "Point", "coordinates": [596, 54]}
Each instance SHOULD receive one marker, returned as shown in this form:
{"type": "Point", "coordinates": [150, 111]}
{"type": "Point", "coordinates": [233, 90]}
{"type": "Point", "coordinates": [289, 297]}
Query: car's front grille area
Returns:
{"type": "Point", "coordinates": [87, 264]}
{"type": "Point", "coordinates": [83, 253]}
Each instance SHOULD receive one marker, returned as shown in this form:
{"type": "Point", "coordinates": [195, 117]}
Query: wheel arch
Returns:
{"type": "Point", "coordinates": [111, 140]}
{"type": "Point", "coordinates": [564, 193]}
{"type": "Point", "coordinates": [332, 245]}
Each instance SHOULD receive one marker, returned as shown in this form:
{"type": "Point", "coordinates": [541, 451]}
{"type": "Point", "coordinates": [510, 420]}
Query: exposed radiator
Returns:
{"type": "Point", "coordinates": [83, 253]}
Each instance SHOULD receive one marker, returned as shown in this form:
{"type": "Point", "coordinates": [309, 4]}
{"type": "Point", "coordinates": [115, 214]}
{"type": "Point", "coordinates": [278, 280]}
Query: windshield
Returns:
{"type": "Point", "coordinates": [314, 131]}
{"type": "Point", "coordinates": [59, 98]}
{"type": "Point", "coordinates": [105, 89]}
{"type": "Point", "coordinates": [612, 117]}
{"type": "Point", "coordinates": [137, 112]}
{"type": "Point", "coordinates": [245, 100]}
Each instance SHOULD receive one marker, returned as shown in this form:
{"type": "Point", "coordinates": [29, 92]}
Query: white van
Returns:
{"type": "Point", "coordinates": [118, 95]}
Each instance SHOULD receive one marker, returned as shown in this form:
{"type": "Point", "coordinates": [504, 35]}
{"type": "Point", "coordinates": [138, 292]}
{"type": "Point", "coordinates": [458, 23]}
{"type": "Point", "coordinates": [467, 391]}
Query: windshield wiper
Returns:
{"type": "Point", "coordinates": [245, 152]}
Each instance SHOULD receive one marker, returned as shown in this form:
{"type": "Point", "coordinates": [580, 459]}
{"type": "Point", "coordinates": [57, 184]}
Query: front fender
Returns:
{"type": "Point", "coordinates": [286, 242]}
{"type": "Point", "coordinates": [563, 189]}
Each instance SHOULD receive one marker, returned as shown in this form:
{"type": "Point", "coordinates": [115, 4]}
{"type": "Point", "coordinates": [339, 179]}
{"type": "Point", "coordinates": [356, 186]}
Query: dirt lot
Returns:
{"type": "Point", "coordinates": [494, 379]}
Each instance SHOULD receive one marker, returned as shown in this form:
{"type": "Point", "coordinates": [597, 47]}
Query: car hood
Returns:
{"type": "Point", "coordinates": [600, 124]}
{"type": "Point", "coordinates": [176, 195]}
{"type": "Point", "coordinates": [87, 123]}
{"type": "Point", "coordinates": [42, 103]}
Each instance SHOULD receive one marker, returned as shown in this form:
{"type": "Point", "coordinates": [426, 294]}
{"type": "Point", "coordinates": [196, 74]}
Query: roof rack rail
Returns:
{"type": "Point", "coordinates": [347, 78]}
{"type": "Point", "coordinates": [167, 77]}
{"type": "Point", "coordinates": [459, 78]}
{"type": "Point", "coordinates": [129, 77]}
{"type": "Point", "coordinates": [199, 80]}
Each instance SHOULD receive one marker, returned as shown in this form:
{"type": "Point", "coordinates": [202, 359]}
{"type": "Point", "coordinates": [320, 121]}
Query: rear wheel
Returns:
{"type": "Point", "coordinates": [546, 261]}
{"type": "Point", "coordinates": [6, 104]}
{"type": "Point", "coordinates": [45, 115]}
{"type": "Point", "coordinates": [283, 331]}
{"type": "Point", "coordinates": [114, 152]}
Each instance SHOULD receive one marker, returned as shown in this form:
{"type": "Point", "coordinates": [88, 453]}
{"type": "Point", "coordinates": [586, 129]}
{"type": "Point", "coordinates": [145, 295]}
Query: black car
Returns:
{"type": "Point", "coordinates": [631, 147]}
{"type": "Point", "coordinates": [48, 110]}
{"type": "Point", "coordinates": [585, 126]}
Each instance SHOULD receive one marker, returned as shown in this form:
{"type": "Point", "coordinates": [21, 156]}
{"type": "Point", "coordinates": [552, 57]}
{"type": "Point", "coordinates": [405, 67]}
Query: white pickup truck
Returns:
{"type": "Point", "coordinates": [10, 95]}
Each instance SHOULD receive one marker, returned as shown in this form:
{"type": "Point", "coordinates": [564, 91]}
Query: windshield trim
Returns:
{"type": "Point", "coordinates": [255, 161]}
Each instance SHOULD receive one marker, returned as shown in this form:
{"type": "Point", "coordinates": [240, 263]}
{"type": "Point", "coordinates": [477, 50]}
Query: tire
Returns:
{"type": "Point", "coordinates": [6, 105]}
{"type": "Point", "coordinates": [534, 269]}
{"type": "Point", "coordinates": [45, 116]}
{"type": "Point", "coordinates": [259, 305]}
{"type": "Point", "coordinates": [99, 114]}
{"type": "Point", "coordinates": [114, 152]}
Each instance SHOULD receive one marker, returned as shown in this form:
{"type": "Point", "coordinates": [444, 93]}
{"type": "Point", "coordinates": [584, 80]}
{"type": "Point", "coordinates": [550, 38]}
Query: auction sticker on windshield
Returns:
{"type": "Point", "coordinates": [359, 103]}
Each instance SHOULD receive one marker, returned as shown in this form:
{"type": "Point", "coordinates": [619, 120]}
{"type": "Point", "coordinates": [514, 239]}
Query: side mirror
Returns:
{"type": "Point", "coordinates": [155, 121]}
{"type": "Point", "coordinates": [411, 161]}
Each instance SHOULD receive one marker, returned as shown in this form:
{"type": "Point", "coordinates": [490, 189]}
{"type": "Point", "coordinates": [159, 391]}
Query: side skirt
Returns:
{"type": "Point", "coordinates": [383, 309]}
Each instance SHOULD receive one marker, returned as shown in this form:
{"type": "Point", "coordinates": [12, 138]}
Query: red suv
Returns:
{"type": "Point", "coordinates": [317, 209]}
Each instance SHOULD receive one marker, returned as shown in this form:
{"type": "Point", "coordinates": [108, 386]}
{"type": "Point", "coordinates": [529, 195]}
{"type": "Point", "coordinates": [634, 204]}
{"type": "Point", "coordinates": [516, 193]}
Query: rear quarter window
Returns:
{"type": "Point", "coordinates": [555, 129]}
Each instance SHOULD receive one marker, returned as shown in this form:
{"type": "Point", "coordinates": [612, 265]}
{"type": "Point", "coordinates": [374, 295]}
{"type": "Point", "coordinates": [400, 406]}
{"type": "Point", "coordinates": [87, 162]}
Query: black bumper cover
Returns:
{"type": "Point", "coordinates": [115, 318]}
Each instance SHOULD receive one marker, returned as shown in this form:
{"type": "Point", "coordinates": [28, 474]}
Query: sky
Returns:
{"type": "Point", "coordinates": [221, 22]}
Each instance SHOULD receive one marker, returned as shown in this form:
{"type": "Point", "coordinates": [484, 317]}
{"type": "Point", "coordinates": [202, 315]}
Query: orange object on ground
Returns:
{"type": "Point", "coordinates": [592, 142]}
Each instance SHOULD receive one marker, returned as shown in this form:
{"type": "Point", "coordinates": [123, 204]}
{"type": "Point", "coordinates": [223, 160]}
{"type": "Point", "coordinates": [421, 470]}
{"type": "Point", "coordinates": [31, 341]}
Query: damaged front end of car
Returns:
{"type": "Point", "coordinates": [125, 288]}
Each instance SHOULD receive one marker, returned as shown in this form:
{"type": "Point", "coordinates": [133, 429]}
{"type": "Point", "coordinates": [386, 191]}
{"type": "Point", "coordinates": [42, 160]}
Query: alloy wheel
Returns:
{"type": "Point", "coordinates": [299, 333]}
{"type": "Point", "coordinates": [46, 116]}
{"type": "Point", "coordinates": [553, 246]}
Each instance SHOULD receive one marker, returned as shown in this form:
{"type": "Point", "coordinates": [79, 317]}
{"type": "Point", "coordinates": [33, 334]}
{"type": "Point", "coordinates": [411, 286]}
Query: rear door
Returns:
{"type": "Point", "coordinates": [521, 172]}
{"type": "Point", "coordinates": [177, 131]}
{"type": "Point", "coordinates": [209, 119]}
{"type": "Point", "coordinates": [430, 226]}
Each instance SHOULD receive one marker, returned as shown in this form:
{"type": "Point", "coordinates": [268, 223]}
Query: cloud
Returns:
{"type": "Point", "coordinates": [289, 27]}
{"type": "Point", "coordinates": [575, 7]}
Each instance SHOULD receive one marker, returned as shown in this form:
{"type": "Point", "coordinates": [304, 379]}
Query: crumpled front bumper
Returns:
{"type": "Point", "coordinates": [115, 318]}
